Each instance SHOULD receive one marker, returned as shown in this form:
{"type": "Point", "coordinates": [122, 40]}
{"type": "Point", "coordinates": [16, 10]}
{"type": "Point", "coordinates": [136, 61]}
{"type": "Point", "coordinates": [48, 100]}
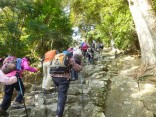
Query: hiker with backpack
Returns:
{"type": "Point", "coordinates": [3, 78]}
{"type": "Point", "coordinates": [8, 89]}
{"type": "Point", "coordinates": [60, 72]}
{"type": "Point", "coordinates": [46, 61]}
{"type": "Point", "coordinates": [90, 55]}
{"type": "Point", "coordinates": [99, 49]}
{"type": "Point", "coordinates": [77, 56]}
{"type": "Point", "coordinates": [93, 45]}
{"type": "Point", "coordinates": [70, 52]}
{"type": "Point", "coordinates": [84, 46]}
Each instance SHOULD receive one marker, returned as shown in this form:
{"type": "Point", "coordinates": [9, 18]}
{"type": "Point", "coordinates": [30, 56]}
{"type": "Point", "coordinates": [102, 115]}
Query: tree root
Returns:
{"type": "Point", "coordinates": [144, 71]}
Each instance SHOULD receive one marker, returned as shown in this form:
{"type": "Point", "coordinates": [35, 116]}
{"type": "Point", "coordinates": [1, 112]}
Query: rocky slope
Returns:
{"type": "Point", "coordinates": [107, 88]}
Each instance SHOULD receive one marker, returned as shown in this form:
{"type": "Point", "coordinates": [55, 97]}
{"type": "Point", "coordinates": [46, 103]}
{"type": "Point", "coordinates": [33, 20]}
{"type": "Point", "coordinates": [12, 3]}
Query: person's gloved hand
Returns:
{"type": "Point", "coordinates": [17, 75]}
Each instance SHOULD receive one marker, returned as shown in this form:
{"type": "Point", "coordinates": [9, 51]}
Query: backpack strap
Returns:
{"type": "Point", "coordinates": [18, 64]}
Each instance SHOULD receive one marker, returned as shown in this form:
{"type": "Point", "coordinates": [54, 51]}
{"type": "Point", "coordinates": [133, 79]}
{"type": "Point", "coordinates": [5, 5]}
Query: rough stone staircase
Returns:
{"type": "Point", "coordinates": [39, 105]}
{"type": "Point", "coordinates": [78, 102]}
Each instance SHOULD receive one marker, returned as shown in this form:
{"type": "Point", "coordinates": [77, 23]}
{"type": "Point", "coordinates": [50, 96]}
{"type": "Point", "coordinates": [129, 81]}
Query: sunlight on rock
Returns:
{"type": "Point", "coordinates": [128, 58]}
{"type": "Point", "coordinates": [29, 97]}
{"type": "Point", "coordinates": [147, 89]}
{"type": "Point", "coordinates": [128, 70]}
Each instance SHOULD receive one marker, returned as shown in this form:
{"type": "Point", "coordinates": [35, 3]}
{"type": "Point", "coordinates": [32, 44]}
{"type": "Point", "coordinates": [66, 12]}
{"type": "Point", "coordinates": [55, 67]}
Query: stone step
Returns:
{"type": "Point", "coordinates": [36, 111]}
{"type": "Point", "coordinates": [19, 112]}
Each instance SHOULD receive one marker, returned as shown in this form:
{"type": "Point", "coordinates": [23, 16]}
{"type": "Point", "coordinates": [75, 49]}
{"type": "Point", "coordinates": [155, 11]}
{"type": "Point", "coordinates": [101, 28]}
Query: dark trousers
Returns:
{"type": "Point", "coordinates": [63, 85]}
{"type": "Point", "coordinates": [74, 75]}
{"type": "Point", "coordinates": [84, 53]}
{"type": "Point", "coordinates": [8, 90]}
{"type": "Point", "coordinates": [90, 57]}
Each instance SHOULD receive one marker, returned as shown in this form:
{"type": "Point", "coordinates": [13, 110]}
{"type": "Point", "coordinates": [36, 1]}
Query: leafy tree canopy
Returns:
{"type": "Point", "coordinates": [105, 20]}
{"type": "Point", "coordinates": [31, 27]}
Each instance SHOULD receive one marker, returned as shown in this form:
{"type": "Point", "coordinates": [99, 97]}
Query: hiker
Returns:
{"type": "Point", "coordinates": [90, 55]}
{"type": "Point", "coordinates": [99, 48]}
{"type": "Point", "coordinates": [70, 49]}
{"type": "Point", "coordinates": [93, 46]}
{"type": "Point", "coordinates": [84, 46]}
{"type": "Point", "coordinates": [77, 56]}
{"type": "Point", "coordinates": [101, 45]}
{"type": "Point", "coordinates": [62, 81]}
{"type": "Point", "coordinates": [46, 61]}
{"type": "Point", "coordinates": [8, 89]}
{"type": "Point", "coordinates": [68, 52]}
{"type": "Point", "coordinates": [3, 78]}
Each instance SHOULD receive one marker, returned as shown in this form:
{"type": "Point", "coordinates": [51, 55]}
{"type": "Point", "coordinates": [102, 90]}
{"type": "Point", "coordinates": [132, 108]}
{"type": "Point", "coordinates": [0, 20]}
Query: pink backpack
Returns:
{"type": "Point", "coordinates": [9, 64]}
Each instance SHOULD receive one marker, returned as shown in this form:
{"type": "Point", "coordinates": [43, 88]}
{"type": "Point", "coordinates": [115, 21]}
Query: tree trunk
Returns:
{"type": "Point", "coordinates": [145, 23]}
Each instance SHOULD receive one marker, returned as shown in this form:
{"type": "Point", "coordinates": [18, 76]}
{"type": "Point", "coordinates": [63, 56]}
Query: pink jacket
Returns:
{"type": "Point", "coordinates": [24, 66]}
{"type": "Point", "coordinates": [7, 80]}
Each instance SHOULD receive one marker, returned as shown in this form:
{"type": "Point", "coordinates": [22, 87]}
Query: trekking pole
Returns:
{"type": "Point", "coordinates": [81, 87]}
{"type": "Point", "coordinates": [18, 79]}
{"type": "Point", "coordinates": [35, 88]}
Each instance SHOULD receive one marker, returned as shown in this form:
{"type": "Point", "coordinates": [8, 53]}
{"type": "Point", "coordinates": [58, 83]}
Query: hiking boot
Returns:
{"type": "Point", "coordinates": [47, 91]}
{"type": "Point", "coordinates": [3, 112]}
{"type": "Point", "coordinates": [17, 105]}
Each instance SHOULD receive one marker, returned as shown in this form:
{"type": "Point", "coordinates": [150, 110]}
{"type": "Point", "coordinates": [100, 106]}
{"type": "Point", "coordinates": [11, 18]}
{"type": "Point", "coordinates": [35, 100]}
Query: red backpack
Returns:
{"type": "Point", "coordinates": [84, 46]}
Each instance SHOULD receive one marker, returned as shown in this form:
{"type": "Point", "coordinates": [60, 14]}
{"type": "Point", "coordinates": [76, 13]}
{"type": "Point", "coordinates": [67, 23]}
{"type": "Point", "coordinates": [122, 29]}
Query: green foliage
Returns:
{"type": "Point", "coordinates": [10, 33]}
{"type": "Point", "coordinates": [33, 27]}
{"type": "Point", "coordinates": [154, 4]}
{"type": "Point", "coordinates": [105, 20]}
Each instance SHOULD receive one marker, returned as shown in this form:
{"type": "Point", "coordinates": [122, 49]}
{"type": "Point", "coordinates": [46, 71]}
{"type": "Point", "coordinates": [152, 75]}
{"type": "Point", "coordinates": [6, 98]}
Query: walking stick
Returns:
{"type": "Point", "coordinates": [18, 79]}
{"type": "Point", "coordinates": [35, 87]}
{"type": "Point", "coordinates": [81, 87]}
